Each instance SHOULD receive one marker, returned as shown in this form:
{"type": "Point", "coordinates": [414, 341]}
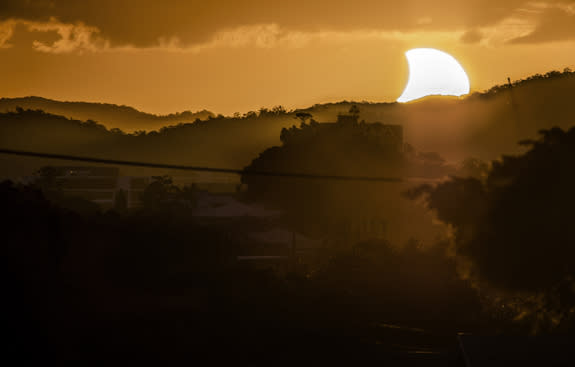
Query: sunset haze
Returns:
{"type": "Point", "coordinates": [236, 56]}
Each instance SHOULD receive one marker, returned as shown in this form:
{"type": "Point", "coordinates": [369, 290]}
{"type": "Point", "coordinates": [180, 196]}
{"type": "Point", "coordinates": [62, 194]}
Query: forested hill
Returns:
{"type": "Point", "coordinates": [110, 115]}
{"type": "Point", "coordinates": [220, 142]}
{"type": "Point", "coordinates": [484, 125]}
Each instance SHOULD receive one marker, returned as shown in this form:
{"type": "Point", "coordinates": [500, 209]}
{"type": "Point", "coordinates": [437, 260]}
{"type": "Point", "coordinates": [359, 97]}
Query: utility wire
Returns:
{"type": "Point", "coordinates": [197, 168]}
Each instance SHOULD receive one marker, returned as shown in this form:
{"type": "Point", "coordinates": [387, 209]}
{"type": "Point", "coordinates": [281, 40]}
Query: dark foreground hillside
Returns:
{"type": "Point", "coordinates": [149, 285]}
{"type": "Point", "coordinates": [161, 283]}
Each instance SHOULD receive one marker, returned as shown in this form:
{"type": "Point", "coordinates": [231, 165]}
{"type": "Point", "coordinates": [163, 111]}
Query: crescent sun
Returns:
{"type": "Point", "coordinates": [433, 72]}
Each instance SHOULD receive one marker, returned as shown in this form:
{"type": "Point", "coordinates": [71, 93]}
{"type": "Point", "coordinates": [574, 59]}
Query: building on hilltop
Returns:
{"type": "Point", "coordinates": [100, 185]}
{"type": "Point", "coordinates": [347, 119]}
{"type": "Point", "coordinates": [385, 134]}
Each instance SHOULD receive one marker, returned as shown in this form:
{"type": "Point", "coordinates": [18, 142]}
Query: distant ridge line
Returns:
{"type": "Point", "coordinates": [95, 104]}
{"type": "Point", "coordinates": [197, 168]}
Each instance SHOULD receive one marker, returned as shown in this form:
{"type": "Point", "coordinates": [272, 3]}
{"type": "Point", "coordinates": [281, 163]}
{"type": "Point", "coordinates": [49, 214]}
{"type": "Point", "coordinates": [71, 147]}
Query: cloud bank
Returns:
{"type": "Point", "coordinates": [193, 26]}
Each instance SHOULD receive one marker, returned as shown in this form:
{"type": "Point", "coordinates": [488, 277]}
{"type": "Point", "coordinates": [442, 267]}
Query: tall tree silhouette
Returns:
{"type": "Point", "coordinates": [515, 226]}
{"type": "Point", "coordinates": [303, 117]}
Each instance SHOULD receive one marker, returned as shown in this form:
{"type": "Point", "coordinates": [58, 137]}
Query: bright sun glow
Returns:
{"type": "Point", "coordinates": [433, 72]}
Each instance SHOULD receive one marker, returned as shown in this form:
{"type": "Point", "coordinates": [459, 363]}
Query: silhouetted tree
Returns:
{"type": "Point", "coordinates": [354, 110]}
{"type": "Point", "coordinates": [303, 117]}
{"type": "Point", "coordinates": [330, 149]}
{"type": "Point", "coordinates": [279, 110]}
{"type": "Point", "coordinates": [473, 167]}
{"type": "Point", "coordinates": [159, 192]}
{"type": "Point", "coordinates": [163, 193]}
{"type": "Point", "coordinates": [32, 246]}
{"type": "Point", "coordinates": [515, 226]}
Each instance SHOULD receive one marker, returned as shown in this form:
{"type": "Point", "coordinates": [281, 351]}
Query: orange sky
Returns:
{"type": "Point", "coordinates": [240, 55]}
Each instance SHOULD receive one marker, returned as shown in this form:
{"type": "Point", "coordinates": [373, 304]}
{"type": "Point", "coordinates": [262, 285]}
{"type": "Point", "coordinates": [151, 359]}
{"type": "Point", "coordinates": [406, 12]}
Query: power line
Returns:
{"type": "Point", "coordinates": [196, 168]}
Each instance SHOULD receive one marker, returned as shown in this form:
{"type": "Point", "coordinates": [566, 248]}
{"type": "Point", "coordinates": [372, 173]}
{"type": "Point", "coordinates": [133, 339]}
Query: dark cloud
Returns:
{"type": "Point", "coordinates": [555, 24]}
{"type": "Point", "coordinates": [145, 22]}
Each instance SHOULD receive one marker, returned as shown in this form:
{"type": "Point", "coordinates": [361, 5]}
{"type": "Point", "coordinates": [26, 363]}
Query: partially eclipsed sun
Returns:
{"type": "Point", "coordinates": [433, 72]}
